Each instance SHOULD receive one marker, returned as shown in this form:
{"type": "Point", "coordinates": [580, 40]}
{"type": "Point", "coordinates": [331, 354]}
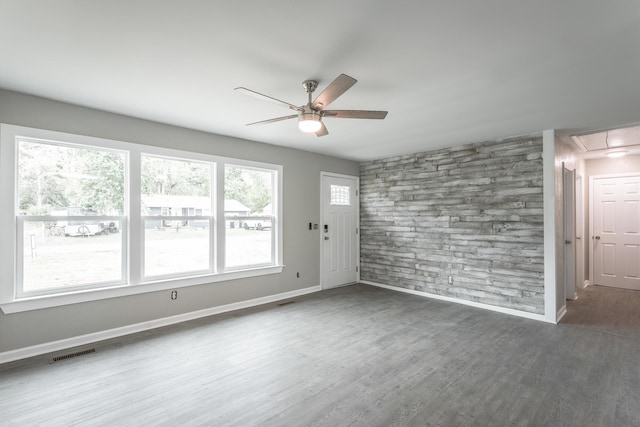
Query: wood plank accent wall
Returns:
{"type": "Point", "coordinates": [472, 212]}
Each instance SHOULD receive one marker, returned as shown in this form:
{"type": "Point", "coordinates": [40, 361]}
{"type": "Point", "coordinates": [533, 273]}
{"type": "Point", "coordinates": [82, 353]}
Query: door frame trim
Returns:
{"type": "Point", "coordinates": [570, 289]}
{"type": "Point", "coordinates": [592, 178]}
{"type": "Point", "coordinates": [324, 174]}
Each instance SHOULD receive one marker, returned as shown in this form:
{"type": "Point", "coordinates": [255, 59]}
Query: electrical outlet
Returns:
{"type": "Point", "coordinates": [450, 280]}
{"type": "Point", "coordinates": [174, 295]}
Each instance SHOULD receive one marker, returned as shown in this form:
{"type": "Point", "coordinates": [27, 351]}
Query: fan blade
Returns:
{"type": "Point", "coordinates": [277, 119]}
{"type": "Point", "coordinates": [322, 131]}
{"type": "Point", "coordinates": [355, 114]}
{"type": "Point", "coordinates": [340, 85]}
{"type": "Point", "coordinates": [258, 95]}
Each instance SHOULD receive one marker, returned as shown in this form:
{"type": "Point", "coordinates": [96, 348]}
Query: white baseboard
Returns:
{"type": "Point", "coordinates": [36, 350]}
{"type": "Point", "coordinates": [504, 310]}
{"type": "Point", "coordinates": [561, 313]}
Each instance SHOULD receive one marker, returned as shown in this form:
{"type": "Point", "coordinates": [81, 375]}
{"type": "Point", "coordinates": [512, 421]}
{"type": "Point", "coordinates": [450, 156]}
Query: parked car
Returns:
{"type": "Point", "coordinates": [257, 224]}
{"type": "Point", "coordinates": [74, 228]}
{"type": "Point", "coordinates": [109, 227]}
{"type": "Point", "coordinates": [86, 228]}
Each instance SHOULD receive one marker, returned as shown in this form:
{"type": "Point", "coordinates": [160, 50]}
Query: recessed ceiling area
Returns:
{"type": "Point", "coordinates": [449, 73]}
{"type": "Point", "coordinates": [609, 142]}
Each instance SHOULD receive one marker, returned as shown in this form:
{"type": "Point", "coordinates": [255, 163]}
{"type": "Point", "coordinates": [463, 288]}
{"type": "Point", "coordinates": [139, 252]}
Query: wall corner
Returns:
{"type": "Point", "coordinates": [549, 198]}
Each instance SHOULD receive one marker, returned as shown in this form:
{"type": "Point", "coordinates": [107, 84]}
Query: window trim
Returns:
{"type": "Point", "coordinates": [277, 190]}
{"type": "Point", "coordinates": [136, 283]}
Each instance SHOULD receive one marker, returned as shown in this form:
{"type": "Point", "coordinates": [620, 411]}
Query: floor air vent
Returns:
{"type": "Point", "coordinates": [71, 355]}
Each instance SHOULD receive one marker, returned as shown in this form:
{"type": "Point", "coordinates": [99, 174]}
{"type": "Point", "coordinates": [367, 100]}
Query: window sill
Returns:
{"type": "Point", "coordinates": [37, 303]}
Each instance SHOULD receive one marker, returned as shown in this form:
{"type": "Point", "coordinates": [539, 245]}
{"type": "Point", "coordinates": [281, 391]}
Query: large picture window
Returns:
{"type": "Point", "coordinates": [99, 218]}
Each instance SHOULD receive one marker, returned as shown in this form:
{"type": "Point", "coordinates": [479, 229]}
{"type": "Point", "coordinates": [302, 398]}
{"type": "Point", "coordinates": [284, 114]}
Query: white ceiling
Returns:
{"type": "Point", "coordinates": [449, 72]}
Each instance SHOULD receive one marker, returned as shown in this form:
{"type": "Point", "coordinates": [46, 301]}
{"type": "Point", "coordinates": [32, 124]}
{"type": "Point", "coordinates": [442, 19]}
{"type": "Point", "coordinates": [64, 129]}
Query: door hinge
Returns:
{"type": "Point", "coordinates": [356, 230]}
{"type": "Point", "coordinates": [357, 268]}
{"type": "Point", "coordinates": [356, 193]}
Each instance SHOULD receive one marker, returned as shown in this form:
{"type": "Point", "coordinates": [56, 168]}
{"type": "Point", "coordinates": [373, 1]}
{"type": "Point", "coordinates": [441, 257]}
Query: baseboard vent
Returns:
{"type": "Point", "coordinates": [71, 355]}
{"type": "Point", "coordinates": [285, 303]}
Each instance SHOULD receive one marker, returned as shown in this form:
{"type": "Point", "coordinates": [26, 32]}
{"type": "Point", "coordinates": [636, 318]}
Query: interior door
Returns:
{"type": "Point", "coordinates": [339, 232]}
{"type": "Point", "coordinates": [569, 234]}
{"type": "Point", "coordinates": [616, 231]}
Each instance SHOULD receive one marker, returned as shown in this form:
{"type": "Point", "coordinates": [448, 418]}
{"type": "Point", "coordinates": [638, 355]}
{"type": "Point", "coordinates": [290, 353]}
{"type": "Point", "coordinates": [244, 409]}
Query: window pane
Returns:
{"type": "Point", "coordinates": [53, 179]}
{"type": "Point", "coordinates": [70, 182]}
{"type": "Point", "coordinates": [172, 187]}
{"type": "Point", "coordinates": [247, 247]}
{"type": "Point", "coordinates": [340, 195]}
{"type": "Point", "coordinates": [248, 193]}
{"type": "Point", "coordinates": [52, 259]}
{"type": "Point", "coordinates": [175, 250]}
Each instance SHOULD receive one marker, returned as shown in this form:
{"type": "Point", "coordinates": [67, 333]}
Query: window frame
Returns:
{"type": "Point", "coordinates": [212, 218]}
{"type": "Point", "coordinates": [20, 220]}
{"type": "Point", "coordinates": [132, 225]}
{"type": "Point", "coordinates": [272, 217]}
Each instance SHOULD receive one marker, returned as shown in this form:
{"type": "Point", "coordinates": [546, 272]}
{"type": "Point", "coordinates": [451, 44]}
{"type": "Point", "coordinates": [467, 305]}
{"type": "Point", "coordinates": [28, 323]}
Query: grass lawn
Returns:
{"type": "Point", "coordinates": [59, 261]}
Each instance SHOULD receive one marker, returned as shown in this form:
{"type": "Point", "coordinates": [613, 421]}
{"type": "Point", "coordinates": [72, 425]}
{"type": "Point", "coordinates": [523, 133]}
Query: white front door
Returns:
{"type": "Point", "coordinates": [616, 232]}
{"type": "Point", "coordinates": [339, 232]}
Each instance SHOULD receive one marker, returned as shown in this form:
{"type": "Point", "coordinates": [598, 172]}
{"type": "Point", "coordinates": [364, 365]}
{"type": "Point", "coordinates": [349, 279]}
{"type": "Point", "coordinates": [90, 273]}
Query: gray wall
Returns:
{"type": "Point", "coordinates": [301, 206]}
{"type": "Point", "coordinates": [473, 212]}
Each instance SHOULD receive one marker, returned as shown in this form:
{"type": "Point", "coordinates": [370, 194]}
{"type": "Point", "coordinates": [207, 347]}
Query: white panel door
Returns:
{"type": "Point", "coordinates": [339, 236]}
{"type": "Point", "coordinates": [616, 232]}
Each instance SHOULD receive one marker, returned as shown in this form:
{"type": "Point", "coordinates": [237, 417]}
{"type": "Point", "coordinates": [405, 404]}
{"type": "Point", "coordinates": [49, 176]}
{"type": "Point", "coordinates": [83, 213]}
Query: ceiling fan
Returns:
{"type": "Point", "coordinates": [310, 115]}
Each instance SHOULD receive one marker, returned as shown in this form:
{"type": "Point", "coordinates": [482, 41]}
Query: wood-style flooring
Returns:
{"type": "Point", "coordinates": [353, 356]}
{"type": "Point", "coordinates": [610, 310]}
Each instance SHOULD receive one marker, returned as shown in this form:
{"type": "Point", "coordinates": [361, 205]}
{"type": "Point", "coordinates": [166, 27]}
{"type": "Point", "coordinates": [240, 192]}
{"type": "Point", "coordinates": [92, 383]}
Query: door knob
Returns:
{"type": "Point", "coordinates": [326, 237]}
{"type": "Point", "coordinates": [597, 237]}
{"type": "Point", "coordinates": [567, 242]}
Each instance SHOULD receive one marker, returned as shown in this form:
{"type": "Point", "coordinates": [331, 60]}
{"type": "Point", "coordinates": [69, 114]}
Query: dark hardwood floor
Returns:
{"type": "Point", "coordinates": [354, 356]}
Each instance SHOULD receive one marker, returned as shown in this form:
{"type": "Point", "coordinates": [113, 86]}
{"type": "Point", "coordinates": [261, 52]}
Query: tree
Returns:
{"type": "Point", "coordinates": [250, 187]}
{"type": "Point", "coordinates": [41, 185]}
{"type": "Point", "coordinates": [56, 177]}
{"type": "Point", "coordinates": [102, 181]}
{"type": "Point", "coordinates": [175, 177]}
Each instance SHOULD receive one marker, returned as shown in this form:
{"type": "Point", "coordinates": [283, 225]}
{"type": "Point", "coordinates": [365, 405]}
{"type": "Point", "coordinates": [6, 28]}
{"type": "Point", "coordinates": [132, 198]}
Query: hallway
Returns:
{"type": "Point", "coordinates": [609, 310]}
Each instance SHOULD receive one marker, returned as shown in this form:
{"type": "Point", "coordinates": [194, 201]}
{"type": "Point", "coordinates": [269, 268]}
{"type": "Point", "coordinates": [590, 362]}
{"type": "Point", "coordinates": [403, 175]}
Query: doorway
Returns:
{"type": "Point", "coordinates": [615, 231]}
{"type": "Point", "coordinates": [340, 211]}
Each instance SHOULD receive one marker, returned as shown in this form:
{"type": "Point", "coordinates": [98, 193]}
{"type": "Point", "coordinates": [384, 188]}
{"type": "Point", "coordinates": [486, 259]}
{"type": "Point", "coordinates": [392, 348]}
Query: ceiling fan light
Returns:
{"type": "Point", "coordinates": [309, 122]}
{"type": "Point", "coordinates": [616, 154]}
